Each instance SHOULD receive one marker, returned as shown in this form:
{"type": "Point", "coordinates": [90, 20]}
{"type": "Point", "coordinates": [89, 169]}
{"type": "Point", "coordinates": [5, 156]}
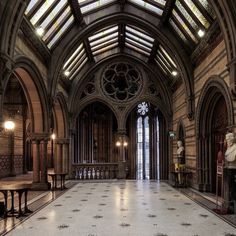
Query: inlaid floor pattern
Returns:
{"type": "Point", "coordinates": [137, 208]}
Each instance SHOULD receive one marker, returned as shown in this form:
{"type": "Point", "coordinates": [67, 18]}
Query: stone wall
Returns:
{"type": "Point", "coordinates": [214, 64]}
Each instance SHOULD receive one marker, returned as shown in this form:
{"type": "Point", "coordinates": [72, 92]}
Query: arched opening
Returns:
{"type": "Point", "coordinates": [212, 130]}
{"type": "Point", "coordinates": [13, 151]}
{"type": "Point", "coordinates": [96, 127]}
{"type": "Point", "coordinates": [146, 129]}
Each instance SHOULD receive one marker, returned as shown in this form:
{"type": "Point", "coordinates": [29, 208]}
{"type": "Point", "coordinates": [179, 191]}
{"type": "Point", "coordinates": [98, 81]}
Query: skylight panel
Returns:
{"type": "Point", "coordinates": [88, 5]}
{"type": "Point", "coordinates": [104, 39]}
{"type": "Point", "coordinates": [139, 33]}
{"type": "Point", "coordinates": [208, 8]}
{"type": "Point", "coordinates": [75, 62]}
{"type": "Point", "coordinates": [185, 27]}
{"type": "Point", "coordinates": [197, 13]}
{"type": "Point", "coordinates": [41, 11]}
{"type": "Point", "coordinates": [51, 18]}
{"type": "Point", "coordinates": [190, 19]}
{"type": "Point", "coordinates": [155, 6]}
{"type": "Point", "coordinates": [138, 40]}
{"type": "Point", "coordinates": [186, 15]}
{"type": "Point", "coordinates": [178, 31]}
{"type": "Point", "coordinates": [165, 61]}
{"type": "Point", "coordinates": [61, 31]}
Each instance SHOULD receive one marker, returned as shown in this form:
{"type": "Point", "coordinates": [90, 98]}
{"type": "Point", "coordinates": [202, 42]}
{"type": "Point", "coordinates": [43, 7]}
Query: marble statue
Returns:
{"type": "Point", "coordinates": [230, 173]}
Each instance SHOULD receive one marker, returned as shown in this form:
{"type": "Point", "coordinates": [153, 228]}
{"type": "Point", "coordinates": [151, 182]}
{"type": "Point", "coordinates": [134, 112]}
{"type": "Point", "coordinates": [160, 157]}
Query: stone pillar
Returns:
{"type": "Point", "coordinates": [36, 160]}
{"type": "Point", "coordinates": [44, 178]}
{"type": "Point", "coordinates": [39, 142]}
{"type": "Point", "coordinates": [65, 159]}
{"type": "Point", "coordinates": [58, 166]}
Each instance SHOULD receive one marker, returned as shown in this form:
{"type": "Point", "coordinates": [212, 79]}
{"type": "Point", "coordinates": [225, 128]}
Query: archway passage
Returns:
{"type": "Point", "coordinates": [219, 123]}
{"type": "Point", "coordinates": [96, 127]}
{"type": "Point", "coordinates": [213, 127]}
{"type": "Point", "coordinates": [13, 151]}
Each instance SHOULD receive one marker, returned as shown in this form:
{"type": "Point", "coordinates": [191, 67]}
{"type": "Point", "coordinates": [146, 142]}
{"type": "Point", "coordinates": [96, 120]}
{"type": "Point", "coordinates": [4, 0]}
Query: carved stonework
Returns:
{"type": "Point", "coordinates": [89, 89]}
{"type": "Point", "coordinates": [121, 81]}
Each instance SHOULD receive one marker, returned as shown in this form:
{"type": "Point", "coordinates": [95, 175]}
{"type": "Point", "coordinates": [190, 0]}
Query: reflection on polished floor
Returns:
{"type": "Point", "coordinates": [145, 208]}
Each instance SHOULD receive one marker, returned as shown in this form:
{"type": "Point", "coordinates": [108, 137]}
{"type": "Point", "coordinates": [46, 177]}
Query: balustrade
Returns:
{"type": "Point", "coordinates": [86, 171]}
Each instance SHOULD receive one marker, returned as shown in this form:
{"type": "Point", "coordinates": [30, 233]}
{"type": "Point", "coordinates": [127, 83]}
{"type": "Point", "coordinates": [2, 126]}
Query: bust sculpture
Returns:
{"type": "Point", "coordinates": [230, 154]}
{"type": "Point", "coordinates": [180, 152]}
{"type": "Point", "coordinates": [230, 173]}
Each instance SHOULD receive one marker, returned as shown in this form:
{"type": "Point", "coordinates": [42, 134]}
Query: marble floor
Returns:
{"type": "Point", "coordinates": [137, 208]}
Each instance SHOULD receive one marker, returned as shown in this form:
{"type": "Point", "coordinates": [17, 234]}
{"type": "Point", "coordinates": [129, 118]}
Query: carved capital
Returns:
{"type": "Point", "coordinates": [39, 137]}
{"type": "Point", "coordinates": [62, 141]}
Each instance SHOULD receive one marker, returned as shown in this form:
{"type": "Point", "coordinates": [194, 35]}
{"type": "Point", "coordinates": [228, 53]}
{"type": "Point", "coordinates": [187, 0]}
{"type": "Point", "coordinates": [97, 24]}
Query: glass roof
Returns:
{"type": "Point", "coordinates": [50, 18]}
{"type": "Point", "coordinates": [190, 19]}
{"type": "Point", "coordinates": [155, 6]}
{"type": "Point", "coordinates": [165, 62]}
{"type": "Point", "coordinates": [75, 62]}
{"type": "Point", "coordinates": [138, 40]}
{"type": "Point", "coordinates": [88, 5]}
{"type": "Point", "coordinates": [104, 40]}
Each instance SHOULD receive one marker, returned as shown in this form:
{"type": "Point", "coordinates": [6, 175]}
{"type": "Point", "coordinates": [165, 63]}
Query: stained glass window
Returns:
{"type": "Point", "coordinates": [75, 62]}
{"type": "Point", "coordinates": [52, 17]}
{"type": "Point", "coordinates": [155, 6]}
{"type": "Point", "coordinates": [143, 108]}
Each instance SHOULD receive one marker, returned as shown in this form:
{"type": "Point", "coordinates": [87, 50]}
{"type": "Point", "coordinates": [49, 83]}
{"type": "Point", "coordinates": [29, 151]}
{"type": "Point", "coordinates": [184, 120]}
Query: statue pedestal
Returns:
{"type": "Point", "coordinates": [230, 190]}
{"type": "Point", "coordinates": [121, 170]}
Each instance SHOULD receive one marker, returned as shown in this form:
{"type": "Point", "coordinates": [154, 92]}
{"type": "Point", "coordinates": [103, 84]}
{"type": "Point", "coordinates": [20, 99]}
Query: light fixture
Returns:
{"type": "Point", "coordinates": [125, 144]}
{"type": "Point", "coordinates": [9, 125]}
{"type": "Point", "coordinates": [174, 73]}
{"type": "Point", "coordinates": [40, 31]}
{"type": "Point", "coordinates": [201, 33]}
{"type": "Point", "coordinates": [53, 136]}
{"type": "Point", "coordinates": [66, 73]}
{"type": "Point", "coordinates": [118, 143]}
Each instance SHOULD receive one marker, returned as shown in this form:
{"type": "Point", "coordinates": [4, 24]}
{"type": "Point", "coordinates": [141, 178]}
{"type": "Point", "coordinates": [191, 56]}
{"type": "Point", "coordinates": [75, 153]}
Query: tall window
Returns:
{"type": "Point", "coordinates": [143, 146]}
{"type": "Point", "coordinates": [145, 130]}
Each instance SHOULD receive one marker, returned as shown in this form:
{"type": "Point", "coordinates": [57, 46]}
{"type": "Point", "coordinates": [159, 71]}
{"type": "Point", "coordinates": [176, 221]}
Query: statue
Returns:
{"type": "Point", "coordinates": [180, 152]}
{"type": "Point", "coordinates": [230, 154]}
{"type": "Point", "coordinates": [180, 165]}
{"type": "Point", "coordinates": [230, 172]}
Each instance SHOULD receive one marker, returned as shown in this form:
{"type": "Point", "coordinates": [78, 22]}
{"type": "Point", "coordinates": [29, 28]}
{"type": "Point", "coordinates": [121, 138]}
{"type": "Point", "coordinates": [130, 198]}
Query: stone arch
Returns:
{"type": "Point", "coordinates": [61, 115]}
{"type": "Point", "coordinates": [214, 89]}
{"type": "Point", "coordinates": [32, 82]}
{"type": "Point", "coordinates": [173, 48]}
{"type": "Point", "coordinates": [91, 100]}
{"type": "Point", "coordinates": [158, 82]}
{"type": "Point", "coordinates": [225, 13]}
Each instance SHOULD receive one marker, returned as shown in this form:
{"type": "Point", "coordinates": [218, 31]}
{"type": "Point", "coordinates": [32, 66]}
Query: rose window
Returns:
{"type": "Point", "coordinates": [121, 81]}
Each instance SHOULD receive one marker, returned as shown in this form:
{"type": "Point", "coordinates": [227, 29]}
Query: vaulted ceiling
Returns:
{"type": "Point", "coordinates": [187, 22]}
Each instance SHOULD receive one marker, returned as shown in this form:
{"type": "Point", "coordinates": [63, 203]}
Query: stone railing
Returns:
{"type": "Point", "coordinates": [88, 171]}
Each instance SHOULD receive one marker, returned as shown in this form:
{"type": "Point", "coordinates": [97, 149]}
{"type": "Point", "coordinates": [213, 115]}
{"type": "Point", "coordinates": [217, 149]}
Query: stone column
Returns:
{"type": "Point", "coordinates": [44, 178]}
{"type": "Point", "coordinates": [58, 166]}
{"type": "Point", "coordinates": [65, 158]}
{"type": "Point", "coordinates": [40, 161]}
{"type": "Point", "coordinates": [36, 160]}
